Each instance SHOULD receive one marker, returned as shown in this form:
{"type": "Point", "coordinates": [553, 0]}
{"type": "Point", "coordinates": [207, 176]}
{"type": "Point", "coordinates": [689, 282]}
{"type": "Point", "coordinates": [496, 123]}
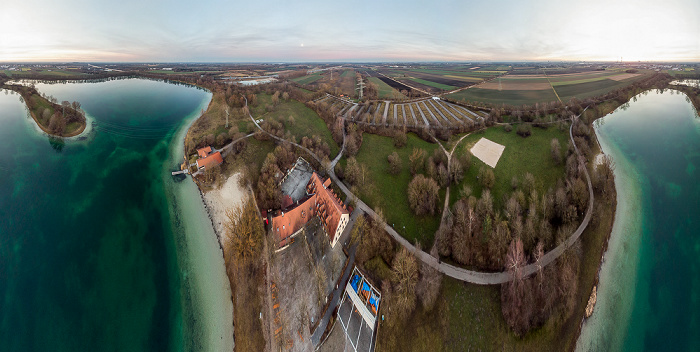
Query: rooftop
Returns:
{"type": "Point", "coordinates": [295, 181]}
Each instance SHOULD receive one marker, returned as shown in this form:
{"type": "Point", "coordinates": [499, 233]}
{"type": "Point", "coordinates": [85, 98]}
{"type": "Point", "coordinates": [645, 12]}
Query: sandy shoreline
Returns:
{"type": "Point", "coordinates": [216, 201]}
{"type": "Point", "coordinates": [207, 304]}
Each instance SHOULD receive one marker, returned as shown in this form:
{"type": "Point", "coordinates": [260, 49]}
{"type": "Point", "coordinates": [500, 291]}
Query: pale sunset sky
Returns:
{"type": "Point", "coordinates": [289, 31]}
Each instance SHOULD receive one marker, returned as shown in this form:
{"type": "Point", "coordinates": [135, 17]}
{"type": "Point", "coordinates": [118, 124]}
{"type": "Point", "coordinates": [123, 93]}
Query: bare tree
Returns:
{"type": "Point", "coordinates": [417, 159]}
{"type": "Point", "coordinates": [423, 195]}
{"type": "Point", "coordinates": [245, 229]}
{"type": "Point", "coordinates": [556, 151]}
{"type": "Point", "coordinates": [405, 278]}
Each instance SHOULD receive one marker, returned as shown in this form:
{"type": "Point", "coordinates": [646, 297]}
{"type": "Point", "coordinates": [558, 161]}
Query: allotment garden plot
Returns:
{"type": "Point", "coordinates": [429, 112]}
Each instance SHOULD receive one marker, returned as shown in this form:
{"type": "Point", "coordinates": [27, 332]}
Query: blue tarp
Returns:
{"type": "Point", "coordinates": [365, 287]}
{"type": "Point", "coordinates": [354, 282]}
{"type": "Point", "coordinates": [373, 301]}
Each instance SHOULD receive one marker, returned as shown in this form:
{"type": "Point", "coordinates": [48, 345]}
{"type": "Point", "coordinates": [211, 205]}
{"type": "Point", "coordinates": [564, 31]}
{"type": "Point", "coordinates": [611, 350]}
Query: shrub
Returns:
{"type": "Point", "coordinates": [394, 163]}
{"type": "Point", "coordinates": [524, 130]}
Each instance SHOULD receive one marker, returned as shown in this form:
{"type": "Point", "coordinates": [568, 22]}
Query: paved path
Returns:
{"type": "Point", "coordinates": [386, 111]}
{"type": "Point", "coordinates": [340, 289]}
{"type": "Point", "coordinates": [228, 147]}
{"type": "Point", "coordinates": [475, 277]}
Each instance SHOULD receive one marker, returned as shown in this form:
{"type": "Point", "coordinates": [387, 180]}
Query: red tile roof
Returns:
{"type": "Point", "coordinates": [204, 152]}
{"type": "Point", "coordinates": [211, 160]}
{"type": "Point", "coordinates": [322, 203]}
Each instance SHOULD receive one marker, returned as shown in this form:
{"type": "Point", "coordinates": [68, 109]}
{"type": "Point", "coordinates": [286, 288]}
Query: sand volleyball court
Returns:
{"type": "Point", "coordinates": [487, 151]}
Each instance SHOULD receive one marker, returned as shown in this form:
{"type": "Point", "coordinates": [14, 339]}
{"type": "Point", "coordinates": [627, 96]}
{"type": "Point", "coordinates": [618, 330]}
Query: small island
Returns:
{"type": "Point", "coordinates": [61, 120]}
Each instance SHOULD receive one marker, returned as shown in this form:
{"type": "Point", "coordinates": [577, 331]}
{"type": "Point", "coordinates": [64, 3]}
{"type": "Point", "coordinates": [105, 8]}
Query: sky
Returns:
{"type": "Point", "coordinates": [389, 31]}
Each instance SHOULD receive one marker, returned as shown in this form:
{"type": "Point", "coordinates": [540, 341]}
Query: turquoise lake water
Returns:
{"type": "Point", "coordinates": [95, 254]}
{"type": "Point", "coordinates": [649, 292]}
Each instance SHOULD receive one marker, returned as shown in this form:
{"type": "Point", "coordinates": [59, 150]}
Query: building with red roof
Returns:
{"type": "Point", "coordinates": [210, 161]}
{"type": "Point", "coordinates": [320, 201]}
{"type": "Point", "coordinates": [204, 152]}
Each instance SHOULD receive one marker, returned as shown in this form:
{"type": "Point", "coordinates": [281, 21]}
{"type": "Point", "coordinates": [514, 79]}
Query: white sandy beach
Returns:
{"type": "Point", "coordinates": [218, 200]}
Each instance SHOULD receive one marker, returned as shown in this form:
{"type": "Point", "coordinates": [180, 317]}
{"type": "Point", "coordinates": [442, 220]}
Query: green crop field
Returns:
{"type": "Point", "coordinates": [307, 79]}
{"type": "Point", "coordinates": [513, 97]}
{"type": "Point", "coordinates": [384, 91]}
{"type": "Point", "coordinates": [433, 84]}
{"type": "Point", "coordinates": [348, 73]}
{"type": "Point", "coordinates": [306, 121]}
{"type": "Point", "coordinates": [388, 192]}
{"type": "Point", "coordinates": [521, 155]}
{"type": "Point", "coordinates": [590, 89]}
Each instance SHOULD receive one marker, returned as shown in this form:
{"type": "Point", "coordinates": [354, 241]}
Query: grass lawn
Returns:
{"type": "Point", "coordinates": [512, 97]}
{"type": "Point", "coordinates": [308, 79]}
{"type": "Point", "coordinates": [306, 121]}
{"type": "Point", "coordinates": [521, 155]}
{"type": "Point", "coordinates": [434, 84]}
{"type": "Point", "coordinates": [388, 192]}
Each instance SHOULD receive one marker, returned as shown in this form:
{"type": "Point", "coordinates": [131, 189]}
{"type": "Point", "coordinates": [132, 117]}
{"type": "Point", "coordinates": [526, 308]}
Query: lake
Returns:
{"type": "Point", "coordinates": [649, 292]}
{"type": "Point", "coordinates": [100, 248]}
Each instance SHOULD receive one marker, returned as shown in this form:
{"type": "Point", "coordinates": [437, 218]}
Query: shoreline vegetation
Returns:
{"type": "Point", "coordinates": [59, 120]}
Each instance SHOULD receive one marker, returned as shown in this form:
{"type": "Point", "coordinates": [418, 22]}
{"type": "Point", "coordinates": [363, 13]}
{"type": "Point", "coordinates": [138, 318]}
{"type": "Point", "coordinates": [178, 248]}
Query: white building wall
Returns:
{"type": "Point", "coordinates": [344, 218]}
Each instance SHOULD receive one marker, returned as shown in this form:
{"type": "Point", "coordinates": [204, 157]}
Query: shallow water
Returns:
{"type": "Point", "coordinates": [649, 292]}
{"type": "Point", "coordinates": [93, 249]}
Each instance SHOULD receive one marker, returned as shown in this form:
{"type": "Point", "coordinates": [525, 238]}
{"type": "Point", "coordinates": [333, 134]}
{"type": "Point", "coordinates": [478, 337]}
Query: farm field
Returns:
{"type": "Point", "coordinates": [343, 81]}
{"type": "Point", "coordinates": [56, 73]}
{"type": "Point", "coordinates": [512, 97]}
{"type": "Point", "coordinates": [521, 155]}
{"type": "Point", "coordinates": [385, 91]}
{"type": "Point", "coordinates": [435, 81]}
{"type": "Point", "coordinates": [308, 79]}
{"type": "Point", "coordinates": [530, 89]}
{"type": "Point", "coordinates": [434, 84]}
{"type": "Point", "coordinates": [382, 190]}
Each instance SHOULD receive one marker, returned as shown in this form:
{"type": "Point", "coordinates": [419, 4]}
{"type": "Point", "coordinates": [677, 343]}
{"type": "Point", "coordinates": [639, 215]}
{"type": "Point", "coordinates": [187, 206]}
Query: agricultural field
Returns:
{"type": "Point", "coordinates": [384, 90]}
{"type": "Point", "coordinates": [439, 79]}
{"type": "Point", "coordinates": [533, 88]}
{"type": "Point", "coordinates": [308, 79]}
{"type": "Point", "coordinates": [338, 82]}
{"type": "Point", "coordinates": [382, 190]}
{"type": "Point", "coordinates": [521, 155]}
{"type": "Point", "coordinates": [45, 72]}
{"type": "Point", "coordinates": [305, 122]}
